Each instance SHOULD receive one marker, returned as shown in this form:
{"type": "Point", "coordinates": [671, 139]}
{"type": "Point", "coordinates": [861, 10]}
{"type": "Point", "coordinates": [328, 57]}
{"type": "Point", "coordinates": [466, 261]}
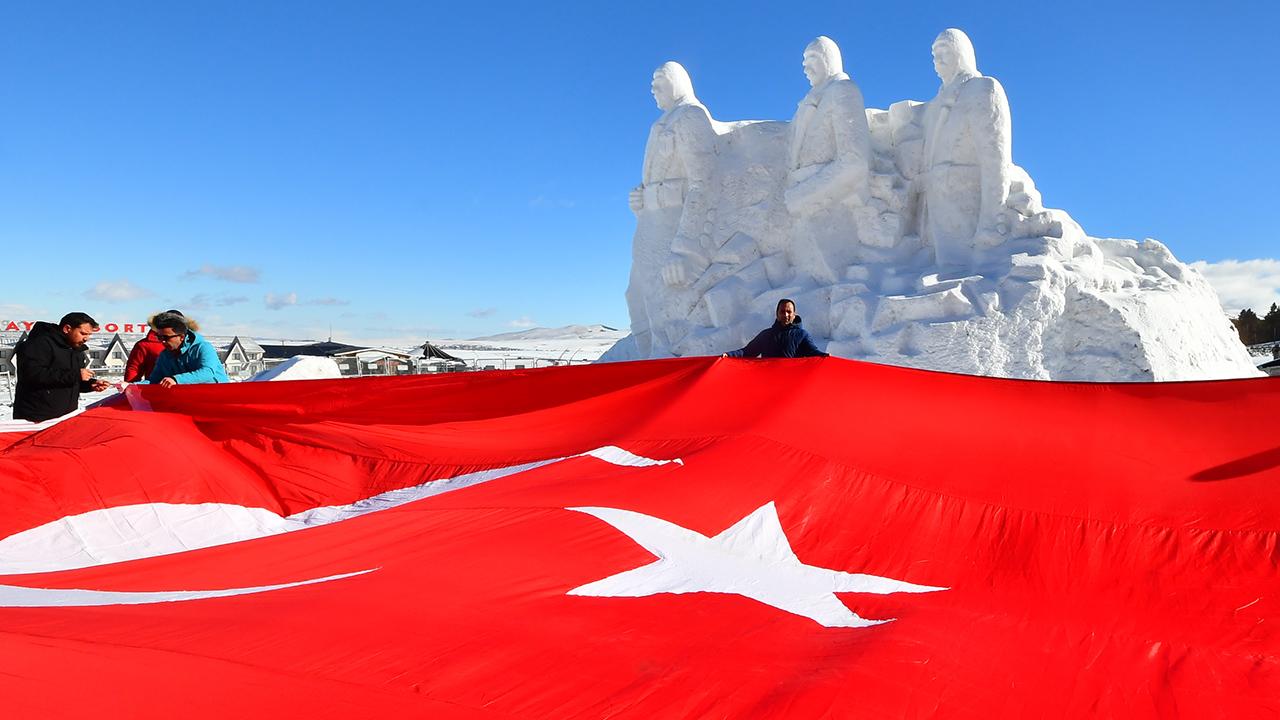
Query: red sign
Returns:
{"type": "Point", "coordinates": [111, 327]}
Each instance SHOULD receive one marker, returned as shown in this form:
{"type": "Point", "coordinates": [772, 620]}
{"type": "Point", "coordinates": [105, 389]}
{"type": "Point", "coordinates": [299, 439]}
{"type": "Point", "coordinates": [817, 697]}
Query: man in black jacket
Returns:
{"type": "Point", "coordinates": [785, 339]}
{"type": "Point", "coordinates": [51, 368]}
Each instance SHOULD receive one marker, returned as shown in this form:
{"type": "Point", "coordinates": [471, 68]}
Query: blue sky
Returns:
{"type": "Point", "coordinates": [414, 170]}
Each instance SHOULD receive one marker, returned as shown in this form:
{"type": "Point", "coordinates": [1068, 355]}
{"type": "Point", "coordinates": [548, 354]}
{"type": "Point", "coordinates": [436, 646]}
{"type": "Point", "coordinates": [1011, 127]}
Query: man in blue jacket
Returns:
{"type": "Point", "coordinates": [786, 339]}
{"type": "Point", "coordinates": [187, 357]}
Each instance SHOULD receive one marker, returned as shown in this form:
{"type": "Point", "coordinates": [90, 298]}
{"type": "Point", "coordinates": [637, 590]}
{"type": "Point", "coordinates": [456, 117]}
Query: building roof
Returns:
{"type": "Point", "coordinates": [248, 345]}
{"type": "Point", "coordinates": [364, 353]}
{"type": "Point", "coordinates": [431, 352]}
{"type": "Point", "coordinates": [327, 348]}
{"type": "Point", "coordinates": [116, 340]}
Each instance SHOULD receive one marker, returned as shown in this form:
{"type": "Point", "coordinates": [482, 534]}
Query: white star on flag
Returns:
{"type": "Point", "coordinates": [752, 558]}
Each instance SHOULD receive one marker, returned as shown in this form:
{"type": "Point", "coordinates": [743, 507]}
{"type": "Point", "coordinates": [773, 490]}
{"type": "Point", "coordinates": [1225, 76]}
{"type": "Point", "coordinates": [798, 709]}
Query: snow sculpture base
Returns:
{"type": "Point", "coordinates": [1116, 310]}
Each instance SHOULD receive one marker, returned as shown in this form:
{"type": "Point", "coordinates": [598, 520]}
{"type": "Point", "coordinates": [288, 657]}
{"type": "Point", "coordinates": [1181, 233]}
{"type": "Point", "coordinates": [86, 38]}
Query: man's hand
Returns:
{"type": "Point", "coordinates": [100, 385]}
{"type": "Point", "coordinates": [676, 272]}
{"type": "Point", "coordinates": [85, 374]}
{"type": "Point", "coordinates": [167, 382]}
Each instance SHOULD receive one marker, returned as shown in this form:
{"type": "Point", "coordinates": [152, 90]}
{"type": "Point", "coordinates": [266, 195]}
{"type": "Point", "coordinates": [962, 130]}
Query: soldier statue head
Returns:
{"type": "Point", "coordinates": [672, 86]}
{"type": "Point", "coordinates": [822, 60]}
{"type": "Point", "coordinates": [953, 56]}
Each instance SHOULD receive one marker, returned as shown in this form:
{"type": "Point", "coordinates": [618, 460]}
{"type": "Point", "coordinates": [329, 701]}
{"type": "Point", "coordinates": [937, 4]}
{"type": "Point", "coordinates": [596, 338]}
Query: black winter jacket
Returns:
{"type": "Point", "coordinates": [780, 341]}
{"type": "Point", "coordinates": [49, 384]}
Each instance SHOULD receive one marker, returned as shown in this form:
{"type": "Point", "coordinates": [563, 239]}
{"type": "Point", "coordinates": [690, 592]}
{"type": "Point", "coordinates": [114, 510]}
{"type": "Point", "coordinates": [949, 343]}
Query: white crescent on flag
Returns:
{"type": "Point", "coordinates": [28, 597]}
{"type": "Point", "coordinates": [132, 532]}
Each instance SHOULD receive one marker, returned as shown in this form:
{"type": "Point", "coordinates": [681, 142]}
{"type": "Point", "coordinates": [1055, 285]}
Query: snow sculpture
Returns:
{"type": "Point", "coordinates": [669, 205]}
{"type": "Point", "coordinates": [905, 235]}
{"type": "Point", "coordinates": [968, 171]}
{"type": "Point", "coordinates": [827, 167]}
{"type": "Point", "coordinates": [966, 154]}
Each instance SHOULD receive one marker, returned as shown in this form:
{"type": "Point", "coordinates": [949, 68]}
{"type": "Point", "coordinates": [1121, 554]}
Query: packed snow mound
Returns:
{"type": "Point", "coordinates": [302, 367]}
{"type": "Point", "coordinates": [568, 332]}
{"type": "Point", "coordinates": [905, 236]}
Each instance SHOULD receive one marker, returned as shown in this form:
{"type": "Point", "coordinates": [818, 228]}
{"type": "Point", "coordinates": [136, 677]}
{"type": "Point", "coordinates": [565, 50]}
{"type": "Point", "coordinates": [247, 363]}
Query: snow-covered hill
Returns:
{"type": "Point", "coordinates": [568, 332]}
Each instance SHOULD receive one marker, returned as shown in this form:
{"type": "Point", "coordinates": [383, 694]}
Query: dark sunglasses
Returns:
{"type": "Point", "coordinates": [168, 337]}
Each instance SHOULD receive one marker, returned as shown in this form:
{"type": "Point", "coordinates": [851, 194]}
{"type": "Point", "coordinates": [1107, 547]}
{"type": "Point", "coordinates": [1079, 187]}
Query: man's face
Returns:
{"type": "Point", "coordinates": [945, 61]}
{"type": "Point", "coordinates": [662, 92]}
{"type": "Point", "coordinates": [79, 334]}
{"type": "Point", "coordinates": [786, 313]}
{"type": "Point", "coordinates": [815, 67]}
{"type": "Point", "coordinates": [172, 339]}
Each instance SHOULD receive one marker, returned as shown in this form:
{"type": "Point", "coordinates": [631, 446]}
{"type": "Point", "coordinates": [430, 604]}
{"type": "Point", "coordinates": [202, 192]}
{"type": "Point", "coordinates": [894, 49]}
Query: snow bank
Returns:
{"type": "Point", "coordinates": [301, 367]}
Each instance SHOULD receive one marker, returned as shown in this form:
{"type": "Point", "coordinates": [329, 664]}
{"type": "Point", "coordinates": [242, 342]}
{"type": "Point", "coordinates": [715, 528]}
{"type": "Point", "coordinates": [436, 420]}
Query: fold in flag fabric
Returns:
{"type": "Point", "coordinates": [699, 537]}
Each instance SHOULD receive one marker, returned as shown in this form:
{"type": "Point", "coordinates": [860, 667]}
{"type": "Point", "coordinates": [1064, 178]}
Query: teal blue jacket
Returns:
{"type": "Point", "coordinates": [195, 362]}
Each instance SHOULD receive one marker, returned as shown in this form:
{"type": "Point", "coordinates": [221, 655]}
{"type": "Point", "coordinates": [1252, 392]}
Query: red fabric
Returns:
{"type": "Point", "coordinates": [1109, 550]}
{"type": "Point", "coordinates": [9, 437]}
{"type": "Point", "coordinates": [142, 359]}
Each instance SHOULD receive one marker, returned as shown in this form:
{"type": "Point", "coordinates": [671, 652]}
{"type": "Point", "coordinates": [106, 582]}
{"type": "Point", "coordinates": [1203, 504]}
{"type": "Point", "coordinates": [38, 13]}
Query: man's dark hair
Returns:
{"type": "Point", "coordinates": [784, 301]}
{"type": "Point", "coordinates": [171, 320]}
{"type": "Point", "coordinates": [76, 319]}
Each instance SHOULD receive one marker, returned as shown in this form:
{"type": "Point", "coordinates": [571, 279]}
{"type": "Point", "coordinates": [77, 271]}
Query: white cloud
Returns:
{"type": "Point", "coordinates": [230, 273]}
{"type": "Point", "coordinates": [116, 291]}
{"type": "Point", "coordinates": [275, 302]}
{"type": "Point", "coordinates": [197, 302]}
{"type": "Point", "coordinates": [266, 328]}
{"type": "Point", "coordinates": [1240, 284]}
{"type": "Point", "coordinates": [204, 301]}
{"type": "Point", "coordinates": [15, 310]}
{"type": "Point", "coordinates": [522, 322]}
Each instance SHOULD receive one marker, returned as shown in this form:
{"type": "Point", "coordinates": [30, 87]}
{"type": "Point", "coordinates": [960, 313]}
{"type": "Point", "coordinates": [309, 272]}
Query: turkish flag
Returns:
{"type": "Point", "coordinates": [683, 538]}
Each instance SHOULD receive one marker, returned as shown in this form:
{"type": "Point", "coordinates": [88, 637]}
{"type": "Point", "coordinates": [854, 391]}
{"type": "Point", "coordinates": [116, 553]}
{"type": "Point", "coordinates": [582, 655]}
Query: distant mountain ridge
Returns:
{"type": "Point", "coordinates": [568, 332]}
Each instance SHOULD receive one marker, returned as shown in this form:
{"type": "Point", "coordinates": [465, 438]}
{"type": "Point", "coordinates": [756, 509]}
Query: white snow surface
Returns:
{"type": "Point", "coordinates": [906, 236]}
{"type": "Point", "coordinates": [302, 367]}
{"type": "Point", "coordinates": [534, 347]}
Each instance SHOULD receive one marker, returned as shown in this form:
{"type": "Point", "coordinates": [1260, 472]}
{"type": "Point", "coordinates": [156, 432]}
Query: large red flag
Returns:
{"type": "Point", "coordinates": [684, 538]}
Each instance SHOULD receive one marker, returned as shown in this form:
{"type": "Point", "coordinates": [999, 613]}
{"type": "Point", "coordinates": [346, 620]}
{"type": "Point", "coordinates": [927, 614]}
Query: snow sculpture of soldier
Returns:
{"type": "Point", "coordinates": [828, 172]}
{"type": "Point", "coordinates": [967, 156]}
{"type": "Point", "coordinates": [670, 245]}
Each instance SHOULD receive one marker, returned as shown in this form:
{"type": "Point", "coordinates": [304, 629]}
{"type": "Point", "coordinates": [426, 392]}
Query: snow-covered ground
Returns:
{"type": "Point", "coordinates": [1264, 352]}
{"type": "Point", "coordinates": [574, 344]}
{"type": "Point", "coordinates": [536, 347]}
